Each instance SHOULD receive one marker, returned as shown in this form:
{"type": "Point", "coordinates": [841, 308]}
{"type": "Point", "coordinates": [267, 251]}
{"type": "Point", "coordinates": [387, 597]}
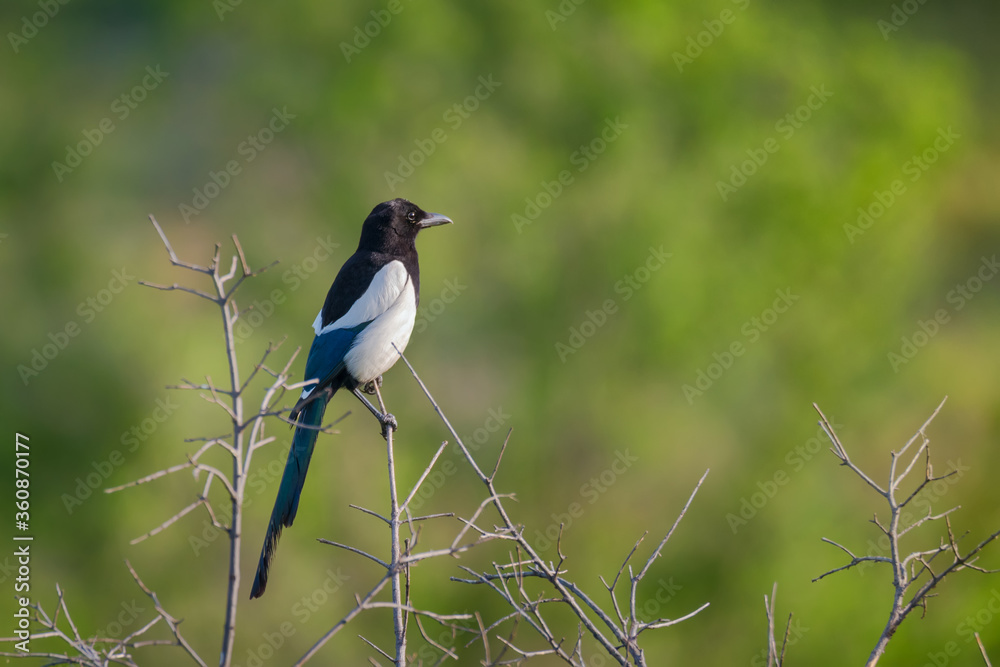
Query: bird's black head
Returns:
{"type": "Point", "coordinates": [393, 225]}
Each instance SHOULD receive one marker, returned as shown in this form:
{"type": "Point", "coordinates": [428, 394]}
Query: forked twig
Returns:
{"type": "Point", "coordinates": [910, 589]}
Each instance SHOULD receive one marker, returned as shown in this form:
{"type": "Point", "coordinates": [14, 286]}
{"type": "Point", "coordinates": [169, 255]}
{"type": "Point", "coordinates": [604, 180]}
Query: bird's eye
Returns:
{"type": "Point", "coordinates": [411, 216]}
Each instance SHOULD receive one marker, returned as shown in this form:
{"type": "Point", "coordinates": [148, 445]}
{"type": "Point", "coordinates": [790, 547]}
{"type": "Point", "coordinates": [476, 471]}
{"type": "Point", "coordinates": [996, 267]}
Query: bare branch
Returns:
{"type": "Point", "coordinates": [361, 605]}
{"type": "Point", "coordinates": [841, 453]}
{"type": "Point", "coordinates": [909, 568]}
{"type": "Point", "coordinates": [171, 622]}
{"type": "Point", "coordinates": [355, 550]}
{"type": "Point", "coordinates": [173, 256]}
{"type": "Point", "coordinates": [423, 476]}
{"type": "Point", "coordinates": [166, 524]}
{"type": "Point", "coordinates": [677, 521]}
{"type": "Point", "coordinates": [855, 560]}
{"type": "Point", "coordinates": [179, 288]}
{"type": "Point", "coordinates": [982, 649]}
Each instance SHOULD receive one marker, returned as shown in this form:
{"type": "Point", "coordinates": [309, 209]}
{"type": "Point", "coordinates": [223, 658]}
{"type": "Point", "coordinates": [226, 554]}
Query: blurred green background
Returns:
{"type": "Point", "coordinates": [739, 138]}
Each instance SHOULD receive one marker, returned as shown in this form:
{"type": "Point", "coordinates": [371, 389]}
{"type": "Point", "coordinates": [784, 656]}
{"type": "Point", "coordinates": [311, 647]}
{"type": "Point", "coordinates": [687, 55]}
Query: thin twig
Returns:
{"type": "Point", "coordinates": [982, 649]}
{"type": "Point", "coordinates": [907, 569]}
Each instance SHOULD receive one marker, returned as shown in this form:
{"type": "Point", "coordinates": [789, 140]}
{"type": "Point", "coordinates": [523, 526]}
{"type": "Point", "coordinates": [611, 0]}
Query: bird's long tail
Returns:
{"type": "Point", "coordinates": [287, 502]}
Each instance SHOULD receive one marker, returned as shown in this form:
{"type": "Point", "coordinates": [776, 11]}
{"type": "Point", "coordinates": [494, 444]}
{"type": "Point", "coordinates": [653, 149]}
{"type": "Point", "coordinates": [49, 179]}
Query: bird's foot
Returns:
{"type": "Point", "coordinates": [371, 388]}
{"type": "Point", "coordinates": [388, 424]}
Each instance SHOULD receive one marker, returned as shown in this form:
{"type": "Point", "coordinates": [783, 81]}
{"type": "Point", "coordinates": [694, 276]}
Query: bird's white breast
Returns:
{"type": "Point", "coordinates": [372, 353]}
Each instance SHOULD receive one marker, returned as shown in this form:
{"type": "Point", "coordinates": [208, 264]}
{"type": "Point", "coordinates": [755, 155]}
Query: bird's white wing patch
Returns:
{"type": "Point", "coordinates": [385, 288]}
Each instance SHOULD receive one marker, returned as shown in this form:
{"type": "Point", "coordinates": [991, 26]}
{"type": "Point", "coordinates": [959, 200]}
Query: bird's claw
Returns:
{"type": "Point", "coordinates": [388, 424]}
{"type": "Point", "coordinates": [371, 387]}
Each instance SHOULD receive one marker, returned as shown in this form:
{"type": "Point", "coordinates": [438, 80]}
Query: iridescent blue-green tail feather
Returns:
{"type": "Point", "coordinates": [287, 502]}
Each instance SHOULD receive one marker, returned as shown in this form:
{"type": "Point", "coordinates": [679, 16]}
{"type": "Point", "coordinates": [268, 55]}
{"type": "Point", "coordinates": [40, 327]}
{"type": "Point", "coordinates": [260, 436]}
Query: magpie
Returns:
{"type": "Point", "coordinates": [370, 307]}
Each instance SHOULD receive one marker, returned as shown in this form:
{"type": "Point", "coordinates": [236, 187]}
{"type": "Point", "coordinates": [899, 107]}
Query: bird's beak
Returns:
{"type": "Point", "coordinates": [433, 220]}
